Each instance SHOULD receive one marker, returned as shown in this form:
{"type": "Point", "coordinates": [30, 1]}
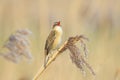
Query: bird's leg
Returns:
{"type": "Point", "coordinates": [45, 63]}
{"type": "Point", "coordinates": [46, 60]}
{"type": "Point", "coordinates": [51, 54]}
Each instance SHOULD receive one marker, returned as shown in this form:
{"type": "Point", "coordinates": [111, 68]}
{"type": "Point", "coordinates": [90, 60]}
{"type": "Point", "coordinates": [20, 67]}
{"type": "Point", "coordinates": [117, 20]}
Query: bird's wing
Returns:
{"type": "Point", "coordinates": [49, 41]}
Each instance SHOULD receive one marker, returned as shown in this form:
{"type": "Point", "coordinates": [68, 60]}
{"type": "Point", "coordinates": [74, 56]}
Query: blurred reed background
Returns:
{"type": "Point", "coordinates": [99, 20]}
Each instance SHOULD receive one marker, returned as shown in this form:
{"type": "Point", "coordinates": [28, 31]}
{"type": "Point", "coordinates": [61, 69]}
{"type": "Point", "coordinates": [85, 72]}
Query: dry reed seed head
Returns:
{"type": "Point", "coordinates": [27, 54]}
{"type": "Point", "coordinates": [78, 59]}
{"type": "Point", "coordinates": [18, 45]}
{"type": "Point", "coordinates": [74, 50]}
{"type": "Point", "coordinates": [76, 55]}
{"type": "Point", "coordinates": [24, 31]}
{"type": "Point", "coordinates": [73, 40]}
{"type": "Point", "coordinates": [79, 64]}
{"type": "Point", "coordinates": [85, 49]}
{"type": "Point", "coordinates": [12, 38]}
{"type": "Point", "coordinates": [23, 40]}
{"type": "Point", "coordinates": [83, 37]}
{"type": "Point", "coordinates": [88, 66]}
{"type": "Point", "coordinates": [10, 45]}
{"type": "Point", "coordinates": [11, 57]}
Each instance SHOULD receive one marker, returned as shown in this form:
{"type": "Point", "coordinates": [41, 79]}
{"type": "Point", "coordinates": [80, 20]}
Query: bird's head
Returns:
{"type": "Point", "coordinates": [56, 24]}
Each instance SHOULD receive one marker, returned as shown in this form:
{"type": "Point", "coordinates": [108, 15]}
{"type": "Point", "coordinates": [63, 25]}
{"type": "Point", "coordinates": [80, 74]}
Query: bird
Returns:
{"type": "Point", "coordinates": [53, 40]}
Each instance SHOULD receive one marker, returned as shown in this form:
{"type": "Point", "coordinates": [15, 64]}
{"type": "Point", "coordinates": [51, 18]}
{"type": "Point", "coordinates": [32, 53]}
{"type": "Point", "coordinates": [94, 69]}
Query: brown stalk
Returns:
{"type": "Point", "coordinates": [42, 68]}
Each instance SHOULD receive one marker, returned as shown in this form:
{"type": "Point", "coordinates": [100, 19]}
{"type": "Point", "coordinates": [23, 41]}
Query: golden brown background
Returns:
{"type": "Point", "coordinates": [99, 20]}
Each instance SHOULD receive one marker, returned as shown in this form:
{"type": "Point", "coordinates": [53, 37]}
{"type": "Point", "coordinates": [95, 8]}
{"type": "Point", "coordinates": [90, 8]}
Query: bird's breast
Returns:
{"type": "Point", "coordinates": [58, 37]}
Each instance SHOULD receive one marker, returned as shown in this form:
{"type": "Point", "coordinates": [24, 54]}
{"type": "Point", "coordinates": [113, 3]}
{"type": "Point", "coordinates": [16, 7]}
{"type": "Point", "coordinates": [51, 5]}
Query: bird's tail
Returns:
{"type": "Point", "coordinates": [46, 58]}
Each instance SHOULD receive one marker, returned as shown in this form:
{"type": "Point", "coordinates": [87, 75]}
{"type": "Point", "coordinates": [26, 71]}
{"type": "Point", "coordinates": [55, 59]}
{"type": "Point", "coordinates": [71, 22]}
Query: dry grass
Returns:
{"type": "Point", "coordinates": [99, 20]}
{"type": "Point", "coordinates": [17, 46]}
